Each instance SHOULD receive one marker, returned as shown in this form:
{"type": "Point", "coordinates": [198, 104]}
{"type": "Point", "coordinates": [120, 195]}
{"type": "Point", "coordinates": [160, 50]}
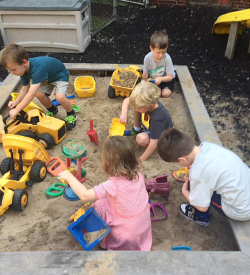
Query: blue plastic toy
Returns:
{"type": "Point", "coordinates": [181, 248]}
{"type": "Point", "coordinates": [87, 223]}
{"type": "Point", "coordinates": [56, 103]}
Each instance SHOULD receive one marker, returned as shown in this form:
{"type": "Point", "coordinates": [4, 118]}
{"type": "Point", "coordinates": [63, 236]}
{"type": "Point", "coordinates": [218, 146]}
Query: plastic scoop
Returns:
{"type": "Point", "coordinates": [92, 133]}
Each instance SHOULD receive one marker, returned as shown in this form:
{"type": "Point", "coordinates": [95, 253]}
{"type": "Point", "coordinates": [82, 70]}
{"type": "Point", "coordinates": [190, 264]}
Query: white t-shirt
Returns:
{"type": "Point", "coordinates": [218, 169]}
{"type": "Point", "coordinates": [162, 68]}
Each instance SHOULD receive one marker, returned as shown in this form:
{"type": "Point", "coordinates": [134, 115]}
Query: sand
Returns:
{"type": "Point", "coordinates": [42, 226]}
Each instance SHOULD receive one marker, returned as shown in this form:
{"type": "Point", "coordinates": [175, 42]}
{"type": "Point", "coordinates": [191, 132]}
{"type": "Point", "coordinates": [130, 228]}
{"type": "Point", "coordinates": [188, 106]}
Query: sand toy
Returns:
{"type": "Point", "coordinates": [92, 133]}
{"type": "Point", "coordinates": [158, 185]}
{"type": "Point", "coordinates": [123, 81]}
{"type": "Point", "coordinates": [181, 174]}
{"type": "Point", "coordinates": [25, 164]}
{"type": "Point", "coordinates": [116, 128]}
{"type": "Point", "coordinates": [35, 124]}
{"type": "Point", "coordinates": [88, 228]}
{"type": "Point", "coordinates": [159, 212]}
{"type": "Point", "coordinates": [74, 150]}
{"type": "Point", "coordinates": [30, 106]}
{"type": "Point", "coordinates": [85, 86]}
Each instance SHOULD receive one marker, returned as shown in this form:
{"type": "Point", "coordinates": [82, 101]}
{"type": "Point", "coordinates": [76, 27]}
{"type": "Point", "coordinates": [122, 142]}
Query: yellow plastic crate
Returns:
{"type": "Point", "coordinates": [85, 86]}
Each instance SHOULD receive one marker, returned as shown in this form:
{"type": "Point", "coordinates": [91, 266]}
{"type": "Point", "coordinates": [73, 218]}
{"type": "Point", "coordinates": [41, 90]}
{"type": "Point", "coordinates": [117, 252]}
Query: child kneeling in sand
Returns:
{"type": "Point", "coordinates": [144, 98]}
{"type": "Point", "coordinates": [217, 177]}
{"type": "Point", "coordinates": [122, 200]}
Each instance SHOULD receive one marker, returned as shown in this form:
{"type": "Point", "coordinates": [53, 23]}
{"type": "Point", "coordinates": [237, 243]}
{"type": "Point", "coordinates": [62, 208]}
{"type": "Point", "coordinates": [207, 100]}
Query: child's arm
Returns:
{"type": "Point", "coordinates": [149, 150]}
{"type": "Point", "coordinates": [145, 76]}
{"type": "Point", "coordinates": [21, 94]}
{"type": "Point", "coordinates": [166, 78]}
{"type": "Point", "coordinates": [186, 193]}
{"type": "Point", "coordinates": [26, 100]}
{"type": "Point", "coordinates": [124, 114]}
{"type": "Point", "coordinates": [81, 191]}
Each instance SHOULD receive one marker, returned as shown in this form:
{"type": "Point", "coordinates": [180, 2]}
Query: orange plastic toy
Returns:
{"type": "Point", "coordinates": [57, 167]}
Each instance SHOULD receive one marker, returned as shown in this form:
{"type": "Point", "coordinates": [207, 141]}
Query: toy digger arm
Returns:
{"type": "Point", "coordinates": [28, 97]}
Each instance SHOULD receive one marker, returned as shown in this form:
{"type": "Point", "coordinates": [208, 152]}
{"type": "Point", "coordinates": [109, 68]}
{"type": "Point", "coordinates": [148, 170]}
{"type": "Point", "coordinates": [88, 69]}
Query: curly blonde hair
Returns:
{"type": "Point", "coordinates": [119, 159]}
{"type": "Point", "coordinates": [145, 94]}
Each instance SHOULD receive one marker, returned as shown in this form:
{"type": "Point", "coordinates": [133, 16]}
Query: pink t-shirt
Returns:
{"type": "Point", "coordinates": [123, 204]}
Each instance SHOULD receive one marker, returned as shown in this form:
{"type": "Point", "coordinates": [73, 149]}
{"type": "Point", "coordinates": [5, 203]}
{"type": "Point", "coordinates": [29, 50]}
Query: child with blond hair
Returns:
{"type": "Point", "coordinates": [144, 98]}
{"type": "Point", "coordinates": [122, 200]}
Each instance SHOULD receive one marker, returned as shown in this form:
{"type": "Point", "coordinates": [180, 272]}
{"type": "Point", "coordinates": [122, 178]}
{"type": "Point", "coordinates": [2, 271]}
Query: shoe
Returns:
{"type": "Point", "coordinates": [191, 213]}
{"type": "Point", "coordinates": [70, 122]}
{"type": "Point", "coordinates": [133, 132]}
{"type": "Point", "coordinates": [53, 114]}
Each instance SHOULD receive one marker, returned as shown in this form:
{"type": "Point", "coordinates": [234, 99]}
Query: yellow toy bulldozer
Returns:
{"type": "Point", "coordinates": [25, 163]}
{"type": "Point", "coordinates": [35, 124]}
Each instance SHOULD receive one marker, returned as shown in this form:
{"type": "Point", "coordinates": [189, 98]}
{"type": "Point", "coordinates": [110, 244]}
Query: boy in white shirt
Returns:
{"type": "Point", "coordinates": [217, 177]}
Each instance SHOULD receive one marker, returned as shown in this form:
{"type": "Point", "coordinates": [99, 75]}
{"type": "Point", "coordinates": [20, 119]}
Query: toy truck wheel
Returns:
{"type": "Point", "coordinates": [111, 92]}
{"type": "Point", "coordinates": [5, 166]}
{"type": "Point", "coordinates": [27, 133]}
{"type": "Point", "coordinates": [38, 171]}
{"type": "Point", "coordinates": [20, 200]}
{"type": "Point", "coordinates": [46, 140]}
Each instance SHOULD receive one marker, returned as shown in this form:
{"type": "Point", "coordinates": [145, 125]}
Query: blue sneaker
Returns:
{"type": "Point", "coordinates": [133, 132]}
{"type": "Point", "coordinates": [191, 213]}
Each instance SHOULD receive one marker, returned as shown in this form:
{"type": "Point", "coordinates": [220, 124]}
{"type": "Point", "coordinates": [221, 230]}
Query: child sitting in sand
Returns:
{"type": "Point", "coordinates": [39, 76]}
{"type": "Point", "coordinates": [144, 98]}
{"type": "Point", "coordinates": [122, 200]}
{"type": "Point", "coordinates": [158, 64]}
{"type": "Point", "coordinates": [217, 177]}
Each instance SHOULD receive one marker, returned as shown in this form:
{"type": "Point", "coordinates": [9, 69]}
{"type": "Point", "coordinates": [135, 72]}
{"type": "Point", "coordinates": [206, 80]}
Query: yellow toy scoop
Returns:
{"type": "Point", "coordinates": [116, 128]}
{"type": "Point", "coordinates": [181, 174]}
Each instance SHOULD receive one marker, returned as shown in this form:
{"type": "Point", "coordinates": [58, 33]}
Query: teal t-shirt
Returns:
{"type": "Point", "coordinates": [45, 68]}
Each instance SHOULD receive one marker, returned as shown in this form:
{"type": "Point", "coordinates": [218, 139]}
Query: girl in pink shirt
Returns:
{"type": "Point", "coordinates": [122, 200]}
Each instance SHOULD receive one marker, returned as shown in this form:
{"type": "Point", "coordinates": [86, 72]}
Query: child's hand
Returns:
{"type": "Point", "coordinates": [158, 81]}
{"type": "Point", "coordinates": [65, 175]}
{"type": "Point", "coordinates": [12, 104]}
{"type": "Point", "coordinates": [13, 113]}
{"type": "Point", "coordinates": [124, 118]}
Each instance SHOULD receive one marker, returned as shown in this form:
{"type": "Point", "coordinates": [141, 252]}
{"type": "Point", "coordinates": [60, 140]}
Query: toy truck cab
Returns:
{"type": "Point", "coordinates": [35, 124]}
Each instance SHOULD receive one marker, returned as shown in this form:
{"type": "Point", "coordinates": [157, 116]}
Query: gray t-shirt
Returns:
{"type": "Point", "coordinates": [218, 169]}
{"type": "Point", "coordinates": [162, 68]}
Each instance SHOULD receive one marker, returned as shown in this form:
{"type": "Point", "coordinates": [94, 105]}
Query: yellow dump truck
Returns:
{"type": "Point", "coordinates": [35, 124]}
{"type": "Point", "coordinates": [25, 163]}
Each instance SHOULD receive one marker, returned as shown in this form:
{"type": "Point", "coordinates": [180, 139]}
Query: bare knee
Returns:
{"type": "Point", "coordinates": [142, 139]}
{"type": "Point", "coordinates": [166, 93]}
{"type": "Point", "coordinates": [61, 97]}
{"type": "Point", "coordinates": [40, 96]}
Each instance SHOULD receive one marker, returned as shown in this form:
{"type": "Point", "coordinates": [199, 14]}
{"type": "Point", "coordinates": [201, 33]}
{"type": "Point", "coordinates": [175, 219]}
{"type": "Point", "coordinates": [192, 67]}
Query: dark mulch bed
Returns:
{"type": "Point", "coordinates": [191, 43]}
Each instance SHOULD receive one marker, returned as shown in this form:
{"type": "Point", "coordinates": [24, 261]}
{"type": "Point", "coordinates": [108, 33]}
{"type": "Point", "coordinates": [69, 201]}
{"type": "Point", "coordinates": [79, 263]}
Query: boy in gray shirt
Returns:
{"type": "Point", "coordinates": [158, 64]}
{"type": "Point", "coordinates": [217, 177]}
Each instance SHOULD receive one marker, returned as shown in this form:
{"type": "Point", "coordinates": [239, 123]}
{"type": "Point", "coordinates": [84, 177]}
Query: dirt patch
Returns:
{"type": "Point", "coordinates": [42, 226]}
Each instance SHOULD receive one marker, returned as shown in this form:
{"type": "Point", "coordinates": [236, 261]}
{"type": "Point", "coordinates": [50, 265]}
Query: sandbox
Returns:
{"type": "Point", "coordinates": [42, 227]}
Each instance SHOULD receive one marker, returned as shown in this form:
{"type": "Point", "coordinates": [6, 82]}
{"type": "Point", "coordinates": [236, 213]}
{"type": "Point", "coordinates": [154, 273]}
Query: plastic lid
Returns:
{"type": "Point", "coordinates": [58, 5]}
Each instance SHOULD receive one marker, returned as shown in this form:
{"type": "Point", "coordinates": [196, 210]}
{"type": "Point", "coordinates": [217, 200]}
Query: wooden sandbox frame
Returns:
{"type": "Point", "coordinates": [132, 262]}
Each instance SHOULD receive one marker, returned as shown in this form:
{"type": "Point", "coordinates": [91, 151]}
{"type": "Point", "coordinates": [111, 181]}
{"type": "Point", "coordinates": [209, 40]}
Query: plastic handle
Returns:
{"type": "Point", "coordinates": [181, 248]}
{"type": "Point", "coordinates": [91, 125]}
